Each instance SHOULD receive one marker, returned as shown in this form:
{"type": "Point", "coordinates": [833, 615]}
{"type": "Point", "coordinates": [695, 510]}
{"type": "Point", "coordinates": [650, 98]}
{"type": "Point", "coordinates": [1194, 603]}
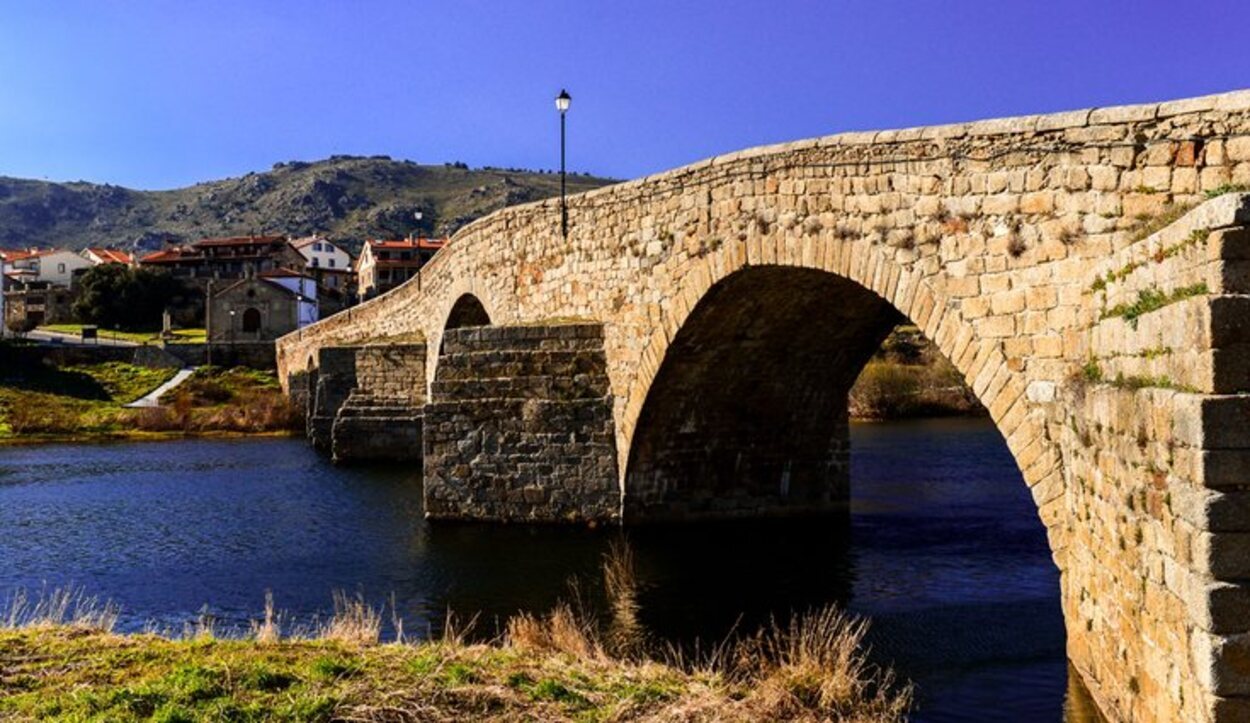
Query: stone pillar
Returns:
{"type": "Point", "coordinates": [519, 427]}
{"type": "Point", "coordinates": [381, 418]}
{"type": "Point", "coordinates": [335, 379]}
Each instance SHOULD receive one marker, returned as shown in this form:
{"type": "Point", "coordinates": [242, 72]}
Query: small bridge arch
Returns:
{"type": "Point", "coordinates": [468, 310]}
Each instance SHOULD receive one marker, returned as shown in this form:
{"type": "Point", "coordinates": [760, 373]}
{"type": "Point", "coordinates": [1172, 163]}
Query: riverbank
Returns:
{"type": "Point", "coordinates": [82, 403]}
{"type": "Point", "coordinates": [908, 378]}
{"type": "Point", "coordinates": [555, 668]}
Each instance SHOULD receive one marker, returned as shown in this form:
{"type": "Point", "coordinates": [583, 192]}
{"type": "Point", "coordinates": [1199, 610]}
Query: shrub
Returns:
{"type": "Point", "coordinates": [43, 419]}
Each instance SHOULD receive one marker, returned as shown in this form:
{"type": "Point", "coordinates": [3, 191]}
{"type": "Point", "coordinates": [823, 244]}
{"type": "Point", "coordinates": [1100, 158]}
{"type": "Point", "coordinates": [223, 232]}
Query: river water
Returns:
{"type": "Point", "coordinates": [944, 552]}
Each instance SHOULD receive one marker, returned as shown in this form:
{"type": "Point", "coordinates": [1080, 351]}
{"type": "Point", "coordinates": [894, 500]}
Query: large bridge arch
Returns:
{"type": "Point", "coordinates": [767, 354]}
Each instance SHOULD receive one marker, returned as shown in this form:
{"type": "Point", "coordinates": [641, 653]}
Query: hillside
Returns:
{"type": "Point", "coordinates": [346, 198]}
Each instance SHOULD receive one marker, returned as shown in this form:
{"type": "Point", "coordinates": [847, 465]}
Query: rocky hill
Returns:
{"type": "Point", "coordinates": [345, 198]}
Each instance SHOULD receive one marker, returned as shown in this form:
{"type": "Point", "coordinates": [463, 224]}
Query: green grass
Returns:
{"type": "Point", "coordinates": [1091, 371]}
{"type": "Point", "coordinates": [84, 402]}
{"type": "Point", "coordinates": [1153, 299]}
{"type": "Point", "coordinates": [181, 336]}
{"type": "Point", "coordinates": [1227, 188]}
{"type": "Point", "coordinates": [1194, 238]}
{"type": "Point", "coordinates": [138, 337]}
{"type": "Point", "coordinates": [38, 401]}
{"type": "Point", "coordinates": [64, 674]}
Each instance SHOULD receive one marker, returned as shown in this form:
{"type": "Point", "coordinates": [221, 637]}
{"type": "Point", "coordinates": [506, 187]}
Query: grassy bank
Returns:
{"type": "Point", "coordinates": [66, 664]}
{"type": "Point", "coordinates": [41, 403]}
{"type": "Point", "coordinates": [216, 400]}
{"type": "Point", "coordinates": [44, 402]}
{"type": "Point", "coordinates": [909, 378]}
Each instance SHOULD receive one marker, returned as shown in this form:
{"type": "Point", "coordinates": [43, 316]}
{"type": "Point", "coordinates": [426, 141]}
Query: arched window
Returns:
{"type": "Point", "coordinates": [251, 320]}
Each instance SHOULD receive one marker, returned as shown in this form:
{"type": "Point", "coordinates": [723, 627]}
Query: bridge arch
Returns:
{"type": "Point", "coordinates": [467, 310]}
{"type": "Point", "coordinates": [744, 383]}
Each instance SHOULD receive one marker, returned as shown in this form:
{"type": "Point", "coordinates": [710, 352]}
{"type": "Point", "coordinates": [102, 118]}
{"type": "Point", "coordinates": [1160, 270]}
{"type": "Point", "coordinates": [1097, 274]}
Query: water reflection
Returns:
{"type": "Point", "coordinates": [944, 552]}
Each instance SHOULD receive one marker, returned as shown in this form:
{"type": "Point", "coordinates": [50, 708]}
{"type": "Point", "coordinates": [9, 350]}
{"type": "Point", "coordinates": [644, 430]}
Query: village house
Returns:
{"type": "Point", "coordinates": [261, 307]}
{"type": "Point", "coordinates": [55, 267]}
{"type": "Point", "coordinates": [226, 258]}
{"type": "Point", "coordinates": [325, 261]}
{"type": "Point", "coordinates": [28, 303]}
{"type": "Point", "coordinates": [383, 265]}
{"type": "Point", "coordinates": [101, 256]}
{"type": "Point", "coordinates": [37, 286]}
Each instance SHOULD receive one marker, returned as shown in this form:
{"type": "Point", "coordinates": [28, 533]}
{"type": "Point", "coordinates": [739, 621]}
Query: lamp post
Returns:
{"type": "Point", "coordinates": [562, 104]}
{"type": "Point", "coordinates": [3, 326]}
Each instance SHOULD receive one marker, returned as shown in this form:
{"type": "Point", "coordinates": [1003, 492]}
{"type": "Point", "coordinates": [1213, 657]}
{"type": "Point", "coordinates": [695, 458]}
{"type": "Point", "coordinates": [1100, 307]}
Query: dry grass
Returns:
{"type": "Point", "coordinates": [909, 377]}
{"type": "Point", "coordinates": [67, 607]}
{"type": "Point", "coordinates": [222, 400]}
{"type": "Point", "coordinates": [557, 667]}
{"type": "Point", "coordinates": [268, 630]}
{"type": "Point", "coordinates": [560, 631]}
{"type": "Point", "coordinates": [354, 621]}
{"type": "Point", "coordinates": [817, 663]}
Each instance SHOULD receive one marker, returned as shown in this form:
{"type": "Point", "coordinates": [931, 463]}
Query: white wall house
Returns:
{"type": "Point", "coordinates": [322, 254]}
{"type": "Point", "coordinates": [304, 287]}
{"type": "Point", "coordinates": [327, 262]}
{"type": "Point", "coordinates": [58, 267]}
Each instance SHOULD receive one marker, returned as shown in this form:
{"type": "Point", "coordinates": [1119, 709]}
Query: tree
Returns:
{"type": "Point", "coordinates": [120, 297]}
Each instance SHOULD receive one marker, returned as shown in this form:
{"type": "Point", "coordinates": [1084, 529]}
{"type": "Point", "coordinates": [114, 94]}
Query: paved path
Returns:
{"type": "Point", "coordinates": [56, 337]}
{"type": "Point", "coordinates": [153, 398]}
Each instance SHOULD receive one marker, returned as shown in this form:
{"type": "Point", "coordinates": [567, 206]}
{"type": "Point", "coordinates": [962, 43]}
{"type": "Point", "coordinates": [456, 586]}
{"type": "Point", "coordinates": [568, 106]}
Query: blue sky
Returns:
{"type": "Point", "coordinates": [161, 94]}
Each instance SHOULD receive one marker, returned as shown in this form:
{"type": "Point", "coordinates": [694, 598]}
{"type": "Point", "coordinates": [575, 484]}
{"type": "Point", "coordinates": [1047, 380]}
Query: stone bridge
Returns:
{"type": "Point", "coordinates": [686, 351]}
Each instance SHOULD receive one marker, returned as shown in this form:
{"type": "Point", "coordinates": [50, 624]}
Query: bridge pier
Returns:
{"type": "Point", "coordinates": [381, 418]}
{"type": "Point", "coordinates": [335, 378]}
{"type": "Point", "coordinates": [519, 427]}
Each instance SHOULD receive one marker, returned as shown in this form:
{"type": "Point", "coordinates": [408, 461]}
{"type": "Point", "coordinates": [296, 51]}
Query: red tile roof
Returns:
{"type": "Point", "coordinates": [240, 241]}
{"type": "Point", "coordinates": [112, 256]}
{"type": "Point", "coordinates": [407, 244]}
{"type": "Point", "coordinates": [164, 256]}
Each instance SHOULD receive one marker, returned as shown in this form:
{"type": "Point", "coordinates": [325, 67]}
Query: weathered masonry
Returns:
{"type": "Point", "coordinates": [685, 353]}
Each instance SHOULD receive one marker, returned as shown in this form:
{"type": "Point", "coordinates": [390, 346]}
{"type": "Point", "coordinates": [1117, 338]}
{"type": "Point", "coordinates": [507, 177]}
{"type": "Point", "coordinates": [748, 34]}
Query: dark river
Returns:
{"type": "Point", "coordinates": [944, 552]}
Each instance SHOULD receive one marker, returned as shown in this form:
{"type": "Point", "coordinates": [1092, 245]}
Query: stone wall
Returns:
{"type": "Point", "coordinates": [381, 418]}
{"type": "Point", "coordinates": [519, 427]}
{"type": "Point", "coordinates": [251, 354]}
{"type": "Point", "coordinates": [1009, 244]}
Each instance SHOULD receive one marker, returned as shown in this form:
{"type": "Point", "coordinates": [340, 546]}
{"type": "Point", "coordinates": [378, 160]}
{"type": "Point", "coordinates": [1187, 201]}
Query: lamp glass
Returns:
{"type": "Point", "coordinates": [563, 100]}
